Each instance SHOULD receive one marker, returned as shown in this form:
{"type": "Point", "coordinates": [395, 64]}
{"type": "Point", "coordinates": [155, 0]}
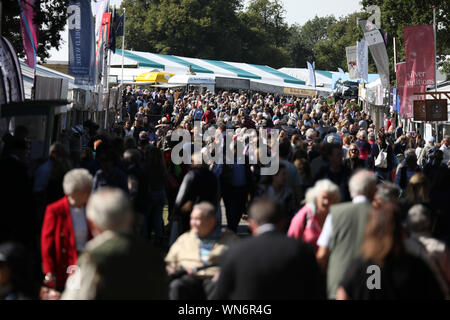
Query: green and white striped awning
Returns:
{"type": "Point", "coordinates": [182, 65]}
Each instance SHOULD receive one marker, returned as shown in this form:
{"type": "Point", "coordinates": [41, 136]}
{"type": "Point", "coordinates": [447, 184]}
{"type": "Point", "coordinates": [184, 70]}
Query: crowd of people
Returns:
{"type": "Point", "coordinates": [109, 203]}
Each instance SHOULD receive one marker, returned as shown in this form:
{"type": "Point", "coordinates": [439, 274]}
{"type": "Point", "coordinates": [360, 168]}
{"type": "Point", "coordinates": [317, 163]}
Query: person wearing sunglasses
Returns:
{"type": "Point", "coordinates": [353, 161]}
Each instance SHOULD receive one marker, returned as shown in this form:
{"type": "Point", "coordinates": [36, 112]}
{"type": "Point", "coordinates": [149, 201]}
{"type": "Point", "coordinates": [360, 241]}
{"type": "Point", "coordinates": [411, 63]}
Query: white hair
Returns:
{"type": "Point", "coordinates": [362, 183]}
{"type": "Point", "coordinates": [310, 133]}
{"type": "Point", "coordinates": [77, 180]}
{"type": "Point", "coordinates": [110, 209]}
{"type": "Point", "coordinates": [320, 186]}
{"type": "Point", "coordinates": [362, 134]}
{"type": "Point", "coordinates": [206, 208]}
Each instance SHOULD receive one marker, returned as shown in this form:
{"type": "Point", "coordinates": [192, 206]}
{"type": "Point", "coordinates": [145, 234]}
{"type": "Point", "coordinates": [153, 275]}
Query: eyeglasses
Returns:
{"type": "Point", "coordinates": [355, 150]}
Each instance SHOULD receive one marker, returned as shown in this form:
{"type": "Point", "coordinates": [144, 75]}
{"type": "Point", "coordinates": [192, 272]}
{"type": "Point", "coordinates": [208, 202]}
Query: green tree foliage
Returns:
{"type": "Point", "coordinates": [218, 29]}
{"type": "Point", "coordinates": [303, 39]}
{"type": "Point", "coordinates": [329, 51]}
{"type": "Point", "coordinates": [51, 20]}
{"type": "Point", "coordinates": [200, 28]}
{"type": "Point", "coordinates": [264, 33]}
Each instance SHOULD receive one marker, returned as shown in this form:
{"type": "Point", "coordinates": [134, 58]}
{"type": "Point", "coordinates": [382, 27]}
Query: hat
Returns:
{"type": "Point", "coordinates": [430, 139]}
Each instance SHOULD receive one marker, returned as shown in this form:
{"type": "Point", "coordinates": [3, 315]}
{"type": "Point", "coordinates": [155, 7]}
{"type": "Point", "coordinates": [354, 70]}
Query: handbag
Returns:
{"type": "Point", "coordinates": [381, 160]}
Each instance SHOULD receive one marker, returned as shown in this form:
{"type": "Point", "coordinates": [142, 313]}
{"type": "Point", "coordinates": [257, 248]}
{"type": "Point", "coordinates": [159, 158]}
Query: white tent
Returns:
{"type": "Point", "coordinates": [323, 78]}
{"type": "Point", "coordinates": [136, 62]}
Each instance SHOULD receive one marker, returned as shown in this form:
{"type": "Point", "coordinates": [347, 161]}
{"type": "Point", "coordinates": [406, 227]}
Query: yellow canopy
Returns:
{"type": "Point", "coordinates": [156, 77]}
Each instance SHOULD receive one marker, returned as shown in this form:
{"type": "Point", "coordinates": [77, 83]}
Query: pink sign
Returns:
{"type": "Point", "coordinates": [29, 31]}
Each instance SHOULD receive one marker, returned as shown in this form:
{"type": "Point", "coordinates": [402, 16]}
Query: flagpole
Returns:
{"type": "Point", "coordinates": [395, 52]}
{"type": "Point", "coordinates": [123, 39]}
{"type": "Point", "coordinates": [435, 63]}
{"type": "Point", "coordinates": [435, 49]}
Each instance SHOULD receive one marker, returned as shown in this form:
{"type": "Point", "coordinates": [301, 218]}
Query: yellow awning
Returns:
{"type": "Point", "coordinates": [156, 77]}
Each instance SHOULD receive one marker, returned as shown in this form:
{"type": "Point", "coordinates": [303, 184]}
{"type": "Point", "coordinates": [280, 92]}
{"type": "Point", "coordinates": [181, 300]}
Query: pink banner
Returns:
{"type": "Point", "coordinates": [29, 31]}
{"type": "Point", "coordinates": [420, 55]}
{"type": "Point", "coordinates": [419, 70]}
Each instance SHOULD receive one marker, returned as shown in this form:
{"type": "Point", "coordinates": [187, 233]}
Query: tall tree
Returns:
{"type": "Point", "coordinates": [303, 38]}
{"type": "Point", "coordinates": [51, 20]}
{"type": "Point", "coordinates": [329, 52]}
{"type": "Point", "coordinates": [265, 33]}
{"type": "Point", "coordinates": [269, 15]}
{"type": "Point", "coordinates": [300, 51]}
{"type": "Point", "coordinates": [200, 28]}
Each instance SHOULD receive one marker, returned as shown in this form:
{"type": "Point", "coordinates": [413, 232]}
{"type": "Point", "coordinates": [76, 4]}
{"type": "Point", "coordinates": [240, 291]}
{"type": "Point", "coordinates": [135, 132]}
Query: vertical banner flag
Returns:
{"type": "Point", "coordinates": [312, 76]}
{"type": "Point", "coordinates": [377, 47]}
{"type": "Point", "coordinates": [103, 41]}
{"type": "Point", "coordinates": [362, 65]}
{"type": "Point", "coordinates": [29, 30]}
{"type": "Point", "coordinates": [112, 32]}
{"type": "Point", "coordinates": [120, 25]}
{"type": "Point", "coordinates": [100, 8]}
{"type": "Point", "coordinates": [394, 102]}
{"type": "Point", "coordinates": [116, 30]}
{"type": "Point", "coordinates": [420, 55]}
{"type": "Point", "coordinates": [341, 71]}
{"type": "Point", "coordinates": [351, 61]}
{"type": "Point", "coordinates": [418, 71]}
{"type": "Point", "coordinates": [81, 42]}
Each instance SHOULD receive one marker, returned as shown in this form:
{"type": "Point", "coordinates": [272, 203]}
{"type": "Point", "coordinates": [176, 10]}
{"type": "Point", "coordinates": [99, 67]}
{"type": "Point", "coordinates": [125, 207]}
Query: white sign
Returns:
{"type": "Point", "coordinates": [428, 131]}
{"type": "Point", "coordinates": [351, 61]}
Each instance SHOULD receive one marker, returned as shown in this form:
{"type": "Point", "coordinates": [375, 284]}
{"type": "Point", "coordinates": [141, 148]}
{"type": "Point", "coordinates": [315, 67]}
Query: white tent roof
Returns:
{"type": "Point", "coordinates": [201, 67]}
{"type": "Point", "coordinates": [303, 74]}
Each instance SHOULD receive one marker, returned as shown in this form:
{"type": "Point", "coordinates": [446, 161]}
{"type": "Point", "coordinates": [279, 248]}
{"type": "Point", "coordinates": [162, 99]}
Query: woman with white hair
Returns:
{"type": "Point", "coordinates": [308, 222]}
{"type": "Point", "coordinates": [65, 230]}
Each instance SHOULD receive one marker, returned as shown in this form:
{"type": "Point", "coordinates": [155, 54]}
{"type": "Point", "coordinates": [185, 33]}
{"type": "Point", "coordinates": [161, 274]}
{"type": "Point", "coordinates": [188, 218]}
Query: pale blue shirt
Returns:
{"type": "Point", "coordinates": [80, 227]}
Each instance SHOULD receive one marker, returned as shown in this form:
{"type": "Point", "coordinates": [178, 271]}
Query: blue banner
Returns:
{"type": "Point", "coordinates": [81, 40]}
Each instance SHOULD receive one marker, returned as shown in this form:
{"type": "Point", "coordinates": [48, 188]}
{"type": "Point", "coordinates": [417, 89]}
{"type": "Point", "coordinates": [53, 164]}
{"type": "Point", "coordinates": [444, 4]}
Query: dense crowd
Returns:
{"type": "Point", "coordinates": [108, 203]}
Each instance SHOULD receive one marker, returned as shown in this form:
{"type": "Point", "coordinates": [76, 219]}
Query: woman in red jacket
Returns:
{"type": "Point", "coordinates": [65, 229]}
{"type": "Point", "coordinates": [209, 115]}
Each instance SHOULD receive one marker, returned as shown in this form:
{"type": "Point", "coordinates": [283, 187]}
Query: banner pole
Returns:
{"type": "Point", "coordinates": [395, 52]}
{"type": "Point", "coordinates": [435, 65]}
{"type": "Point", "coordinates": [123, 39]}
{"type": "Point", "coordinates": [435, 49]}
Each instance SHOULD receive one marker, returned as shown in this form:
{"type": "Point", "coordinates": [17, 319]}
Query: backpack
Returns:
{"type": "Point", "coordinates": [429, 156]}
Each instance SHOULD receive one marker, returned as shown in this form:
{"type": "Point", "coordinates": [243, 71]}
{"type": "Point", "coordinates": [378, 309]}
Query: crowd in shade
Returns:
{"type": "Point", "coordinates": [352, 211]}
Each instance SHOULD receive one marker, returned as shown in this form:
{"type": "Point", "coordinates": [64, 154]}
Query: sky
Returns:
{"type": "Point", "coordinates": [297, 11]}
